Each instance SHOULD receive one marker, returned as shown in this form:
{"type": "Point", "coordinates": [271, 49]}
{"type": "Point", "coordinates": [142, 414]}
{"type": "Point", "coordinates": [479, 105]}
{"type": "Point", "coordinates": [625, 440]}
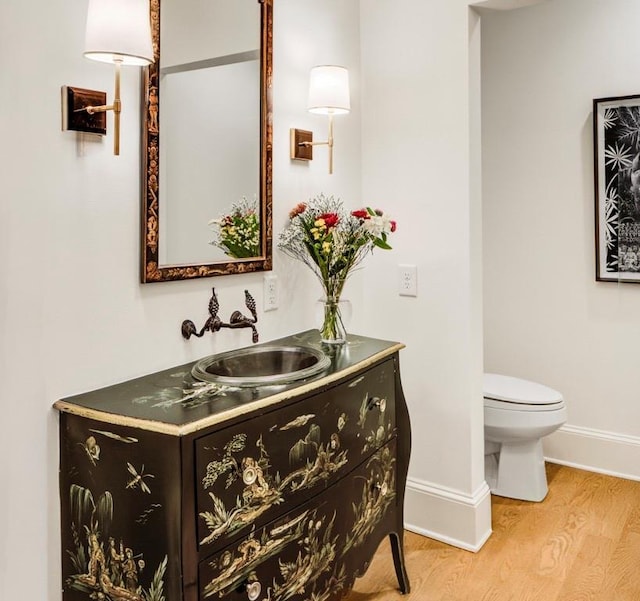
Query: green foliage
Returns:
{"type": "Point", "coordinates": [313, 436]}
{"type": "Point", "coordinates": [156, 590]}
{"type": "Point", "coordinates": [236, 444]}
{"type": "Point", "coordinates": [214, 519]}
{"type": "Point", "coordinates": [85, 512]}
{"type": "Point", "coordinates": [216, 468]}
{"type": "Point", "coordinates": [79, 556]}
{"type": "Point", "coordinates": [82, 505]}
{"type": "Point", "coordinates": [104, 513]}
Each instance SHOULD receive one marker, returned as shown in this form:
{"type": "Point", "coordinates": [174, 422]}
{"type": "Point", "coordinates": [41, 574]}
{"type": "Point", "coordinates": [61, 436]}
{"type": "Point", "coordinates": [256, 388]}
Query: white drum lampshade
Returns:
{"type": "Point", "coordinates": [329, 90]}
{"type": "Point", "coordinates": [119, 30]}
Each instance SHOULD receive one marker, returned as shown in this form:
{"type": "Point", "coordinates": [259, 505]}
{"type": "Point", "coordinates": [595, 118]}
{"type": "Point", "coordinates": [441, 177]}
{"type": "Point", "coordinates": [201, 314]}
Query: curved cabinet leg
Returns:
{"type": "Point", "coordinates": [397, 549]}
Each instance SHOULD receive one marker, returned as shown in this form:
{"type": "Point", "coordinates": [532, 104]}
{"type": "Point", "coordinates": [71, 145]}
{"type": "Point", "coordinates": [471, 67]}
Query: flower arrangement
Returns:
{"type": "Point", "coordinates": [238, 233]}
{"type": "Point", "coordinates": [332, 242]}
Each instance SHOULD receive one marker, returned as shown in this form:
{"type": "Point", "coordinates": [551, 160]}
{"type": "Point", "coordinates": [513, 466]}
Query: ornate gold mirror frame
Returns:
{"type": "Point", "coordinates": [152, 271]}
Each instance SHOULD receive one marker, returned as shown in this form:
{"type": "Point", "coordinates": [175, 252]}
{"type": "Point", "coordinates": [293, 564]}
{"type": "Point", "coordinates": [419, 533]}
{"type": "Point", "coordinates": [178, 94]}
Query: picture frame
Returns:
{"type": "Point", "coordinates": [616, 135]}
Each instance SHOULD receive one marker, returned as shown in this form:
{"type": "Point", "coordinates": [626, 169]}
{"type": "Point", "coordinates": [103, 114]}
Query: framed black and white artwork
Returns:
{"type": "Point", "coordinates": [616, 125]}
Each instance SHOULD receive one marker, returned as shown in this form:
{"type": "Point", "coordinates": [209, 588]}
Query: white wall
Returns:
{"type": "Point", "coordinates": [73, 315]}
{"type": "Point", "coordinates": [196, 30]}
{"type": "Point", "coordinates": [546, 318]}
{"type": "Point", "coordinates": [420, 161]}
{"type": "Point", "coordinates": [308, 33]}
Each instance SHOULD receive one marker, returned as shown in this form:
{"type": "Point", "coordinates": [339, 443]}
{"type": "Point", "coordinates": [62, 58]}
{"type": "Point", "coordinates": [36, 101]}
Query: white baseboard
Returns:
{"type": "Point", "coordinates": [595, 450]}
{"type": "Point", "coordinates": [447, 515]}
{"type": "Point", "coordinates": [464, 521]}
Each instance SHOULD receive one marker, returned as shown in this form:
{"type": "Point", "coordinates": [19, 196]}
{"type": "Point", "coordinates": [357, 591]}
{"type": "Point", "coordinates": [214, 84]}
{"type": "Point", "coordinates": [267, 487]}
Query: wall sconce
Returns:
{"type": "Point", "coordinates": [328, 95]}
{"type": "Point", "coordinates": [118, 32]}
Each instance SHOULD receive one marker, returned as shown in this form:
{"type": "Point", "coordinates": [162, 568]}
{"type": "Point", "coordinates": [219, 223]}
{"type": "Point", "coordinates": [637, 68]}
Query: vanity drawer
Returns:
{"type": "Point", "coordinates": [245, 472]}
{"type": "Point", "coordinates": [308, 553]}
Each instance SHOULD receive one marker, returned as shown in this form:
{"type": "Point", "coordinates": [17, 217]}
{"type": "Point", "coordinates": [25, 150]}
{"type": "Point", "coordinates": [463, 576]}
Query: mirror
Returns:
{"type": "Point", "coordinates": [207, 138]}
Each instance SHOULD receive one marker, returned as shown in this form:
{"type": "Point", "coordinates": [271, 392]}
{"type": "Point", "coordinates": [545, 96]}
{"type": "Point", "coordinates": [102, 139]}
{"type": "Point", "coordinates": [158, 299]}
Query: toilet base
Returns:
{"type": "Point", "coordinates": [517, 471]}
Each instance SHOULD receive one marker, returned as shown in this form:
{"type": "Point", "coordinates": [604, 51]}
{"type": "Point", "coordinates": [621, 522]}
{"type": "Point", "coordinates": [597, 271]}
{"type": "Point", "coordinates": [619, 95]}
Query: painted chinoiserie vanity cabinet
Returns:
{"type": "Point", "coordinates": [174, 489]}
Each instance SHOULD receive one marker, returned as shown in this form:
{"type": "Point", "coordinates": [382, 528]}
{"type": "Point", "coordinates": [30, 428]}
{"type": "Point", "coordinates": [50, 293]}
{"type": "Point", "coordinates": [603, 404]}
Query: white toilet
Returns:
{"type": "Point", "coordinates": [517, 414]}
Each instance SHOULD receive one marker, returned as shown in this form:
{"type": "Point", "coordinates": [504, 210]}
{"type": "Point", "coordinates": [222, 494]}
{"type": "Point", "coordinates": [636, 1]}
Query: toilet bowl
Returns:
{"type": "Point", "coordinates": [517, 415]}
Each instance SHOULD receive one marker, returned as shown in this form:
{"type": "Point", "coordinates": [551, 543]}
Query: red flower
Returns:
{"type": "Point", "coordinates": [330, 219]}
{"type": "Point", "coordinates": [393, 226]}
{"type": "Point", "coordinates": [360, 214]}
{"type": "Point", "coordinates": [301, 207]}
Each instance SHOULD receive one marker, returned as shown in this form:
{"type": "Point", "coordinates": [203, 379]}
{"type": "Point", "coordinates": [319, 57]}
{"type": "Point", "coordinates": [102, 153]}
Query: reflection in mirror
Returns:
{"type": "Point", "coordinates": [207, 196]}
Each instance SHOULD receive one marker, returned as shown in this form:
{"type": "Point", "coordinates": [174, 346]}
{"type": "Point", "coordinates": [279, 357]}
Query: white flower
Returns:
{"type": "Point", "coordinates": [377, 225]}
{"type": "Point", "coordinates": [619, 156]}
{"type": "Point", "coordinates": [609, 118]}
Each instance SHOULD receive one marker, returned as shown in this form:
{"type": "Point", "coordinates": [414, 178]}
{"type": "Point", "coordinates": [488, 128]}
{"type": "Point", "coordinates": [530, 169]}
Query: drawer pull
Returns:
{"type": "Point", "coordinates": [253, 590]}
{"type": "Point", "coordinates": [379, 403]}
{"type": "Point", "coordinates": [383, 488]}
{"type": "Point", "coordinates": [249, 475]}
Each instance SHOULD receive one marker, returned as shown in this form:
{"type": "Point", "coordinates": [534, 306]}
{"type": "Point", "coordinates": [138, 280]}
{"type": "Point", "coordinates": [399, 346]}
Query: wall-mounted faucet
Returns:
{"type": "Point", "coordinates": [214, 323]}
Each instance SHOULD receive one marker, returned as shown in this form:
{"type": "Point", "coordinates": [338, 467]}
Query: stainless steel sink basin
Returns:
{"type": "Point", "coordinates": [261, 366]}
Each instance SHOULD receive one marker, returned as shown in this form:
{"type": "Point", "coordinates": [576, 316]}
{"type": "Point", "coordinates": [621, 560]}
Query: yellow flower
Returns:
{"type": "Point", "coordinates": [319, 223]}
{"type": "Point", "coordinates": [326, 247]}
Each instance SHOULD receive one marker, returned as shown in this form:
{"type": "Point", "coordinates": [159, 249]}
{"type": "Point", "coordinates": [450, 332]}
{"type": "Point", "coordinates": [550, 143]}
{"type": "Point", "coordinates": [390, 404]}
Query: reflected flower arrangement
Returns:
{"type": "Point", "coordinates": [238, 232]}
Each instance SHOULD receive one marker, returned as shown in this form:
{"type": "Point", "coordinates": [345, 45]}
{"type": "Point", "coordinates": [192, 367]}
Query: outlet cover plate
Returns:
{"type": "Point", "coordinates": [407, 280]}
{"type": "Point", "coordinates": [270, 292]}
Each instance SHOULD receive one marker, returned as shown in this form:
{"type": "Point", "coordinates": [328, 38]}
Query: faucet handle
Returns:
{"type": "Point", "coordinates": [251, 305]}
{"type": "Point", "coordinates": [214, 305]}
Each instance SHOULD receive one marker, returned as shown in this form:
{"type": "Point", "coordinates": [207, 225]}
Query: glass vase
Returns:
{"type": "Point", "coordinates": [333, 318]}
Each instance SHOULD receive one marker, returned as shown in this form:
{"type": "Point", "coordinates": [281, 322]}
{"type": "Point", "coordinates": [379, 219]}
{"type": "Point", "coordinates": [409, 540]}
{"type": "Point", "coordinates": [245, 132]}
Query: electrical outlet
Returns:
{"type": "Point", "coordinates": [407, 280]}
{"type": "Point", "coordinates": [270, 292]}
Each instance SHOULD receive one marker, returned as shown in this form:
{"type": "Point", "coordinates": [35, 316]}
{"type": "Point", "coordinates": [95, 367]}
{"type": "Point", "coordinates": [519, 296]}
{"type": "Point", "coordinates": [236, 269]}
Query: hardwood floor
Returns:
{"type": "Point", "coordinates": [582, 543]}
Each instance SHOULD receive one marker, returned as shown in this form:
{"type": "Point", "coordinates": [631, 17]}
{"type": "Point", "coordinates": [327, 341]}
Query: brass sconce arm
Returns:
{"type": "Point", "coordinates": [116, 107]}
{"type": "Point", "coordinates": [328, 143]}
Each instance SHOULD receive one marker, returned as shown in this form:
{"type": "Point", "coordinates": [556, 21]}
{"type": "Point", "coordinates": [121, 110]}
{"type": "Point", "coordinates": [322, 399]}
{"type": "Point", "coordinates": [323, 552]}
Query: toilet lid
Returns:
{"type": "Point", "coordinates": [522, 392]}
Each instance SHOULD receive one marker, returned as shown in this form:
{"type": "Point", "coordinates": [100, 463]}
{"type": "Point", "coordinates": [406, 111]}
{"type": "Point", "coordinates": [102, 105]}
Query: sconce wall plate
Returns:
{"type": "Point", "coordinates": [74, 115]}
{"type": "Point", "coordinates": [301, 142]}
